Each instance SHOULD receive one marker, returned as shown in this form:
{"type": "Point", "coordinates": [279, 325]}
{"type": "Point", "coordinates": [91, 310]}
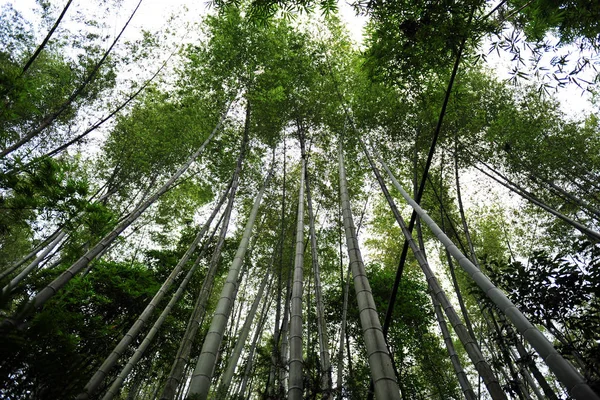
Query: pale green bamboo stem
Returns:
{"type": "Point", "coordinates": [296, 387]}
{"type": "Point", "coordinates": [564, 371]}
{"type": "Point", "coordinates": [380, 362]}
{"type": "Point", "coordinates": [201, 378]}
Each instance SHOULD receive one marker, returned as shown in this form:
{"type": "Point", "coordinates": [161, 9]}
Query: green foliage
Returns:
{"type": "Point", "coordinates": [559, 292]}
{"type": "Point", "coordinates": [53, 191]}
{"type": "Point", "coordinates": [70, 337]}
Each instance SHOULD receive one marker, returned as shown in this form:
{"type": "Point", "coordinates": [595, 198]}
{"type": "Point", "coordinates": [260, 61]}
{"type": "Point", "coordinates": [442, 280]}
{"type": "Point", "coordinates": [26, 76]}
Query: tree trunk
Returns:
{"type": "Point", "coordinates": [92, 128]}
{"type": "Point", "coordinates": [593, 235]}
{"type": "Point", "coordinates": [6, 290]}
{"type": "Point", "coordinates": [250, 358]}
{"type": "Point", "coordinates": [185, 347]}
{"type": "Point", "coordinates": [564, 371]}
{"type": "Point", "coordinates": [465, 385]}
{"type": "Point", "coordinates": [112, 359]}
{"type": "Point", "coordinates": [285, 335]}
{"type": "Point", "coordinates": [241, 340]}
{"type": "Point", "coordinates": [527, 359]}
{"type": "Point", "coordinates": [31, 254]}
{"type": "Point", "coordinates": [463, 219]}
{"type": "Point", "coordinates": [382, 372]}
{"type": "Point", "coordinates": [139, 352]}
{"type": "Point", "coordinates": [46, 39]}
{"type": "Point", "coordinates": [343, 332]}
{"type": "Point", "coordinates": [295, 388]}
{"type": "Point", "coordinates": [274, 372]}
{"type": "Point", "coordinates": [201, 378]}
{"type": "Point", "coordinates": [469, 343]}
{"type": "Point", "coordinates": [325, 358]}
{"type": "Point", "coordinates": [505, 352]}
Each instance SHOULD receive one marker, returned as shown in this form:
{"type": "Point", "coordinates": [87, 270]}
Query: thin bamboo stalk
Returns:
{"type": "Point", "coordinates": [564, 371]}
{"type": "Point", "coordinates": [379, 358]}
{"type": "Point", "coordinates": [201, 378]}
{"type": "Point", "coordinates": [139, 352]}
{"type": "Point", "coordinates": [296, 387]}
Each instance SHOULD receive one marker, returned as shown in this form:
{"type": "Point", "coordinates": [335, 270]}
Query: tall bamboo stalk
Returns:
{"type": "Point", "coordinates": [139, 352]}
{"type": "Point", "coordinates": [296, 387]}
{"type": "Point", "coordinates": [325, 358]}
{"type": "Point", "coordinates": [185, 346]}
{"type": "Point", "coordinates": [285, 325]}
{"type": "Point", "coordinates": [46, 39]}
{"type": "Point", "coordinates": [6, 290]}
{"type": "Point", "coordinates": [380, 362]}
{"type": "Point", "coordinates": [31, 254]}
{"type": "Point", "coordinates": [527, 359]}
{"type": "Point", "coordinates": [512, 186]}
{"type": "Point", "coordinates": [96, 380]}
{"type": "Point", "coordinates": [48, 119]}
{"type": "Point", "coordinates": [273, 373]}
{"type": "Point", "coordinates": [250, 358]}
{"type": "Point", "coordinates": [463, 381]}
{"type": "Point", "coordinates": [469, 343]}
{"type": "Point", "coordinates": [200, 383]}
{"type": "Point", "coordinates": [241, 340]}
{"type": "Point", "coordinates": [564, 371]}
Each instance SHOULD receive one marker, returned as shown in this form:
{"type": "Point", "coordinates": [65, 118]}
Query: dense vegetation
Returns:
{"type": "Point", "coordinates": [230, 219]}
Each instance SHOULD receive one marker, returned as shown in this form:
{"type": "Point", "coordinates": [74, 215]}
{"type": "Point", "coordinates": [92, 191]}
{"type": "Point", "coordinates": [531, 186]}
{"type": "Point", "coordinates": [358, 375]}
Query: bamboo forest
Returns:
{"type": "Point", "coordinates": [300, 199]}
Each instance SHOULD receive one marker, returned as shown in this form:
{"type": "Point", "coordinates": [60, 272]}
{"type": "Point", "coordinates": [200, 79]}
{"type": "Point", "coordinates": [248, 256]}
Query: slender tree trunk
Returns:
{"type": "Point", "coordinates": [185, 347]}
{"type": "Point", "coordinates": [432, 148]}
{"type": "Point", "coordinates": [6, 290]}
{"type": "Point", "coordinates": [461, 302]}
{"type": "Point", "coordinates": [380, 361]}
{"type": "Point", "coordinates": [463, 381]}
{"type": "Point", "coordinates": [585, 206]}
{"type": "Point", "coordinates": [95, 126]}
{"type": "Point", "coordinates": [465, 385]}
{"type": "Point", "coordinates": [250, 358]}
{"type": "Point", "coordinates": [527, 359]}
{"type": "Point", "coordinates": [285, 325]}
{"type": "Point", "coordinates": [139, 352]}
{"type": "Point", "coordinates": [593, 235]}
{"type": "Point", "coordinates": [469, 342]}
{"type": "Point", "coordinates": [224, 355]}
{"type": "Point", "coordinates": [201, 378]}
{"type": "Point", "coordinates": [461, 209]}
{"type": "Point", "coordinates": [345, 284]}
{"type": "Point", "coordinates": [564, 371]}
{"type": "Point", "coordinates": [274, 372]}
{"type": "Point", "coordinates": [518, 385]}
{"type": "Point", "coordinates": [296, 387]}
{"type": "Point", "coordinates": [47, 121]}
{"type": "Point", "coordinates": [45, 294]}
{"type": "Point", "coordinates": [46, 39]}
{"type": "Point", "coordinates": [241, 340]}
{"type": "Point", "coordinates": [31, 254]}
{"type": "Point", "coordinates": [96, 380]}
{"type": "Point", "coordinates": [325, 358]}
